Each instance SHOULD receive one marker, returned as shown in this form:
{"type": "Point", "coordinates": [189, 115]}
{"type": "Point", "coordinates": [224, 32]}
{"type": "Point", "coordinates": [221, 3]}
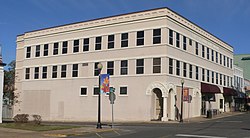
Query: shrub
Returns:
{"type": "Point", "coordinates": [21, 118]}
{"type": "Point", "coordinates": [37, 119]}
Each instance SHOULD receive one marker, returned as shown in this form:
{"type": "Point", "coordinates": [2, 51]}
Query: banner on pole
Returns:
{"type": "Point", "coordinates": [104, 83]}
{"type": "Point", "coordinates": [185, 94]}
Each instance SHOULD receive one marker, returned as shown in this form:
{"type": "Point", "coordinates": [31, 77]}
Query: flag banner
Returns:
{"type": "Point", "coordinates": [104, 83]}
{"type": "Point", "coordinates": [185, 94]}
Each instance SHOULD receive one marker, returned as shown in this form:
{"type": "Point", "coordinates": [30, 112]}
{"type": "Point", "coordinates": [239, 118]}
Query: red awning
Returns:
{"type": "Point", "coordinates": [229, 92]}
{"type": "Point", "coordinates": [209, 88]}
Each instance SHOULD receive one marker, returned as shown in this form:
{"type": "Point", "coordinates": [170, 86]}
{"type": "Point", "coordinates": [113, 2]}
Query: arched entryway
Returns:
{"type": "Point", "coordinates": [158, 104]}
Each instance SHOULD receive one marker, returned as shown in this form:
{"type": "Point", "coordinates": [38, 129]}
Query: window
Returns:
{"type": "Point", "coordinates": [197, 73]}
{"type": "Point", "coordinates": [177, 67]}
{"type": "Point", "coordinates": [83, 91]}
{"type": "Point", "coordinates": [208, 76]}
{"type": "Point", "coordinates": [208, 55]}
{"type": "Point", "coordinates": [54, 71]}
{"type": "Point", "coordinates": [110, 67]}
{"type": "Point", "coordinates": [197, 48]}
{"type": "Point", "coordinates": [46, 50]}
{"type": "Point", "coordinates": [224, 60]}
{"type": "Point", "coordinates": [177, 39]}
{"type": "Point", "coordinates": [96, 91]}
{"type": "Point", "coordinates": [220, 79]}
{"type": "Point", "coordinates": [27, 73]}
{"type": "Point", "coordinates": [124, 67]}
{"type": "Point", "coordinates": [156, 36]}
{"type": "Point", "coordinates": [75, 70]}
{"type": "Point", "coordinates": [36, 74]}
{"type": "Point", "coordinates": [184, 43]}
{"type": "Point", "coordinates": [111, 41]}
{"type": "Point", "coordinates": [228, 81]}
{"type": "Point", "coordinates": [216, 57]}
{"type": "Point", "coordinates": [171, 36]}
{"type": "Point", "coordinates": [28, 52]}
{"type": "Point", "coordinates": [224, 80]}
{"type": "Point", "coordinates": [76, 46]}
{"type": "Point", "coordinates": [55, 48]}
{"type": "Point", "coordinates": [190, 42]}
{"type": "Point", "coordinates": [38, 51]}
{"type": "Point", "coordinates": [86, 44]}
{"type": "Point", "coordinates": [124, 40]}
{"type": "Point", "coordinates": [228, 62]}
{"type": "Point", "coordinates": [65, 47]}
{"type": "Point", "coordinates": [203, 51]}
{"type": "Point", "coordinates": [231, 63]}
{"type": "Point", "coordinates": [123, 90]}
{"type": "Point", "coordinates": [217, 78]}
{"type": "Point", "coordinates": [63, 71]}
{"type": "Point", "coordinates": [184, 69]}
{"type": "Point", "coordinates": [156, 65]}
{"type": "Point", "coordinates": [212, 52]}
{"type": "Point", "coordinates": [98, 43]}
{"type": "Point", "coordinates": [140, 38]}
{"type": "Point", "coordinates": [212, 77]}
{"type": "Point", "coordinates": [190, 71]}
{"type": "Point", "coordinates": [221, 103]}
{"type": "Point", "coordinates": [170, 66]}
{"type": "Point", "coordinates": [203, 74]}
{"type": "Point", "coordinates": [96, 71]}
{"type": "Point", "coordinates": [44, 75]}
{"type": "Point", "coordinates": [220, 58]}
{"type": "Point", "coordinates": [139, 66]}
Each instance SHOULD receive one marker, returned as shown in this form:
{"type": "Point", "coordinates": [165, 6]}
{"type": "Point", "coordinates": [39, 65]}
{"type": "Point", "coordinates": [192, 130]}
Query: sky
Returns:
{"type": "Point", "coordinates": [228, 20]}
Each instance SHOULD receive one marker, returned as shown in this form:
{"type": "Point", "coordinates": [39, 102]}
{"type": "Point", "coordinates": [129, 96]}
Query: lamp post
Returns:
{"type": "Point", "coordinates": [99, 125]}
{"type": "Point", "coordinates": [181, 116]}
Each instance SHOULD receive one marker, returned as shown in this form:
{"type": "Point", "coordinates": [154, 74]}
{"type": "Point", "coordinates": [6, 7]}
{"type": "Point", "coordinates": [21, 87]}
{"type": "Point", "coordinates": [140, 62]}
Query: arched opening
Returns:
{"type": "Point", "coordinates": [158, 104]}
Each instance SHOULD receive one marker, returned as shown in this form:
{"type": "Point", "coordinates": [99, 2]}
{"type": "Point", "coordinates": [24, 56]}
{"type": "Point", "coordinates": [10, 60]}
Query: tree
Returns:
{"type": "Point", "coordinates": [9, 83]}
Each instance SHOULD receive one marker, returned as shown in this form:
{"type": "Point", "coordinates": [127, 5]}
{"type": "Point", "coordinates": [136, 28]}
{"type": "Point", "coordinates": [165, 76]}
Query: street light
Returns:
{"type": "Point", "coordinates": [181, 116]}
{"type": "Point", "coordinates": [99, 125]}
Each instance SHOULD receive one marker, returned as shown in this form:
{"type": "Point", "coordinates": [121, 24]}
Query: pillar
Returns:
{"type": "Point", "coordinates": [165, 109]}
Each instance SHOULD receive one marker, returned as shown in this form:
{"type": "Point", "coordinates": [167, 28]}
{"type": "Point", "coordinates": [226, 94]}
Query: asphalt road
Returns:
{"type": "Point", "coordinates": [229, 127]}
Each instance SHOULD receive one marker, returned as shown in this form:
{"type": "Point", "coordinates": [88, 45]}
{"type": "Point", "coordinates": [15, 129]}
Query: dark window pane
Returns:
{"type": "Point", "coordinates": [96, 91]}
{"type": "Point", "coordinates": [123, 91]}
{"type": "Point", "coordinates": [83, 91]}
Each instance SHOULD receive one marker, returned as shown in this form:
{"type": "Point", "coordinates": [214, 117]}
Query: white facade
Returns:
{"type": "Point", "coordinates": [147, 52]}
{"type": "Point", "coordinates": [238, 79]}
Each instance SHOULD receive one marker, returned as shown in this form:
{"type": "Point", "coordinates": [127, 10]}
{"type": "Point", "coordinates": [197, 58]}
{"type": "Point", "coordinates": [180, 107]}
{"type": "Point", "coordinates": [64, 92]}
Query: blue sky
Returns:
{"type": "Point", "coordinates": [227, 19]}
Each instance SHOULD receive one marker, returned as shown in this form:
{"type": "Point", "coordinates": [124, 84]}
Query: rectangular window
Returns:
{"type": "Point", "coordinates": [98, 43]}
{"type": "Point", "coordinates": [124, 67]}
{"type": "Point", "coordinates": [156, 65]}
{"type": "Point", "coordinates": [224, 80]}
{"type": "Point", "coordinates": [28, 52]}
{"type": "Point", "coordinates": [139, 66]}
{"type": "Point", "coordinates": [177, 39]}
{"type": "Point", "coordinates": [203, 51]}
{"type": "Point", "coordinates": [123, 91]}
{"type": "Point", "coordinates": [220, 58]}
{"type": "Point", "coordinates": [224, 60]}
{"type": "Point", "coordinates": [217, 78]}
{"type": "Point", "coordinates": [27, 73]}
{"type": "Point", "coordinates": [36, 73]}
{"type": "Point", "coordinates": [140, 38]}
{"type": "Point", "coordinates": [96, 91]}
{"type": "Point", "coordinates": [111, 41]}
{"type": "Point", "coordinates": [124, 40]}
{"type": "Point", "coordinates": [184, 69]}
{"type": "Point", "coordinates": [216, 57]}
{"type": "Point", "coordinates": [83, 91]}
{"type": "Point", "coordinates": [203, 74]}
{"type": "Point", "coordinates": [76, 46]}
{"type": "Point", "coordinates": [231, 63]}
{"type": "Point", "coordinates": [85, 44]}
{"type": "Point", "coordinates": [197, 73]}
{"type": "Point", "coordinates": [156, 36]}
{"type": "Point", "coordinates": [197, 48]}
{"type": "Point", "coordinates": [184, 43]}
{"type": "Point", "coordinates": [208, 76]}
{"type": "Point", "coordinates": [190, 71]}
{"type": "Point", "coordinates": [208, 55]}
{"type": "Point", "coordinates": [110, 67]}
{"type": "Point", "coordinates": [220, 79]}
{"type": "Point", "coordinates": [38, 51]}
{"type": "Point", "coordinates": [212, 52]}
{"type": "Point", "coordinates": [75, 70]}
{"type": "Point", "coordinates": [170, 66]}
{"type": "Point", "coordinates": [228, 81]}
{"type": "Point", "coordinates": [65, 47]}
{"type": "Point", "coordinates": [63, 71]}
{"type": "Point", "coordinates": [46, 50]}
{"type": "Point", "coordinates": [171, 37]}
{"type": "Point", "coordinates": [228, 62]}
{"type": "Point", "coordinates": [177, 67]}
{"type": "Point", "coordinates": [55, 48]}
{"type": "Point", "coordinates": [212, 77]}
{"type": "Point", "coordinates": [44, 75]}
{"type": "Point", "coordinates": [96, 71]}
{"type": "Point", "coordinates": [190, 42]}
{"type": "Point", "coordinates": [54, 71]}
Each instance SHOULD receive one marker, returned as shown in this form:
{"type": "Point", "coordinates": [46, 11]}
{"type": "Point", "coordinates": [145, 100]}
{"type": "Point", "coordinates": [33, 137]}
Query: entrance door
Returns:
{"type": "Point", "coordinates": [158, 104]}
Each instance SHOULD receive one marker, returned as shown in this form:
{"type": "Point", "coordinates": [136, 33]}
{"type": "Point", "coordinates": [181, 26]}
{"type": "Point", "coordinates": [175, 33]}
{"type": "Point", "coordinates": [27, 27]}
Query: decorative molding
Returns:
{"type": "Point", "coordinates": [158, 85]}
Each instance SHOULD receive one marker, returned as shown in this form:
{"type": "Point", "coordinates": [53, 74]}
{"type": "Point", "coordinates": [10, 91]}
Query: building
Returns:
{"type": "Point", "coordinates": [146, 53]}
{"type": "Point", "coordinates": [1, 84]}
{"type": "Point", "coordinates": [243, 61]}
